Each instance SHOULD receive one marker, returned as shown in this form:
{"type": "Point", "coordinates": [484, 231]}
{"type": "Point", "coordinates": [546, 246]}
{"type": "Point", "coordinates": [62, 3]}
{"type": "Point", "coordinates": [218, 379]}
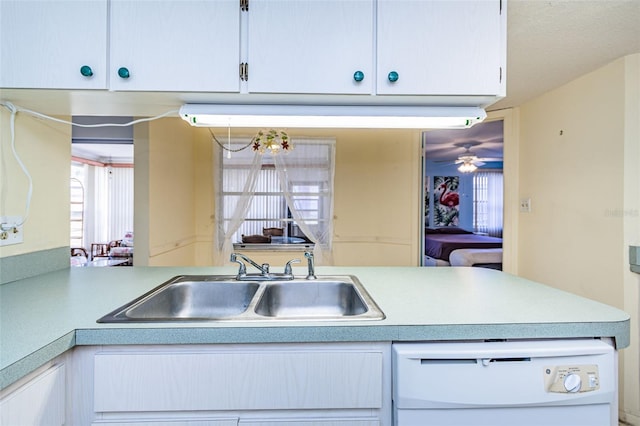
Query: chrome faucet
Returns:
{"type": "Point", "coordinates": [264, 274]}
{"type": "Point", "coordinates": [242, 272]}
{"type": "Point", "coordinates": [311, 274]}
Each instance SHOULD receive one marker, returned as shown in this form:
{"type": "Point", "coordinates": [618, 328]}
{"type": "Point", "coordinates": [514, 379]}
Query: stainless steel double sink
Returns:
{"type": "Point", "coordinates": [223, 298]}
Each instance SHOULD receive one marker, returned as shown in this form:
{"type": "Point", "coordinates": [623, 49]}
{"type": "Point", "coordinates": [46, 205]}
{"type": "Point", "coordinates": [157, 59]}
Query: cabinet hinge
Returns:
{"type": "Point", "coordinates": [244, 71]}
{"type": "Point", "coordinates": [244, 5]}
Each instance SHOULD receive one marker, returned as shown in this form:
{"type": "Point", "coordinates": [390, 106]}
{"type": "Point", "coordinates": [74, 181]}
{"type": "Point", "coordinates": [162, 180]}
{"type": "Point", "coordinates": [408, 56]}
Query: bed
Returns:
{"type": "Point", "coordinates": [452, 246]}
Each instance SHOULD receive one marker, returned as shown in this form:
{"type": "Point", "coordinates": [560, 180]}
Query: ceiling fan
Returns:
{"type": "Point", "coordinates": [469, 161]}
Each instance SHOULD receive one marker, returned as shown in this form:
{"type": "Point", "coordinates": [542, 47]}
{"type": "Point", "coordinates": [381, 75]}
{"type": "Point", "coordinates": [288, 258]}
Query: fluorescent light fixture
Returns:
{"type": "Point", "coordinates": [332, 116]}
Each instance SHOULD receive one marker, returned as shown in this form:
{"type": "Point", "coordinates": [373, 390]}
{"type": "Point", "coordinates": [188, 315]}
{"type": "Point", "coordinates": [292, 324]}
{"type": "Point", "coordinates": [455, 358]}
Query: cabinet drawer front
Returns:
{"type": "Point", "coordinates": [237, 381]}
{"type": "Point", "coordinates": [39, 402]}
{"type": "Point", "coordinates": [336, 422]}
{"type": "Point", "coordinates": [199, 422]}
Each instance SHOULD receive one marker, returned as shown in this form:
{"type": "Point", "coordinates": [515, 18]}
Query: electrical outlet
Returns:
{"type": "Point", "coordinates": [10, 231]}
{"type": "Point", "coordinates": [525, 205]}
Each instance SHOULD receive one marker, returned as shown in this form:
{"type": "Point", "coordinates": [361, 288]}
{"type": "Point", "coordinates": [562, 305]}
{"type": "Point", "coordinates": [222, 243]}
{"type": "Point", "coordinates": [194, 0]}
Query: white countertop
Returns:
{"type": "Point", "coordinates": [43, 316]}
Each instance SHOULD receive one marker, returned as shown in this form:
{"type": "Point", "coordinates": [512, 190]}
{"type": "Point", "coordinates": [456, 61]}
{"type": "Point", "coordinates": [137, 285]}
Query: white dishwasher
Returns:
{"type": "Point", "coordinates": [495, 383]}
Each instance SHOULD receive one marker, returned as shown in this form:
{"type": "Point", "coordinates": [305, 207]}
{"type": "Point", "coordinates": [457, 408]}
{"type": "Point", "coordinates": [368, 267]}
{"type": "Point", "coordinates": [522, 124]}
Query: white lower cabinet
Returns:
{"type": "Point", "coordinates": [159, 422]}
{"type": "Point", "coordinates": [251, 385]}
{"type": "Point", "coordinates": [336, 422]}
{"type": "Point", "coordinates": [39, 399]}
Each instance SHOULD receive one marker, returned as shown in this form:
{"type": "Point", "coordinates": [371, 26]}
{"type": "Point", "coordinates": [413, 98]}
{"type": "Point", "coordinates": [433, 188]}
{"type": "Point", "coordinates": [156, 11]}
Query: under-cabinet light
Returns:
{"type": "Point", "coordinates": [331, 116]}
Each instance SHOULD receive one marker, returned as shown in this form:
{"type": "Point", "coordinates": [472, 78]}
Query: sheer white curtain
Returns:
{"type": "Point", "coordinates": [109, 203]}
{"type": "Point", "coordinates": [307, 184]}
{"type": "Point", "coordinates": [488, 188]}
{"type": "Point", "coordinates": [120, 202]}
{"type": "Point", "coordinates": [240, 181]}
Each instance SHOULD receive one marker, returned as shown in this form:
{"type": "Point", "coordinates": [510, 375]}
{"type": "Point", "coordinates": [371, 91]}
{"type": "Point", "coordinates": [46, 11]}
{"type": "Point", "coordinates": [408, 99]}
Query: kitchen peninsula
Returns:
{"type": "Point", "coordinates": [47, 316]}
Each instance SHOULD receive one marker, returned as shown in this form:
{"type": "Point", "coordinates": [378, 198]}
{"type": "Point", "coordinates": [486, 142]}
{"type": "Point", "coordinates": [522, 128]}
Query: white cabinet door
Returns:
{"type": "Point", "coordinates": [51, 44]}
{"type": "Point", "coordinates": [439, 47]}
{"type": "Point", "coordinates": [253, 380]}
{"type": "Point", "coordinates": [175, 45]}
{"type": "Point", "coordinates": [310, 46]}
{"type": "Point", "coordinates": [41, 401]}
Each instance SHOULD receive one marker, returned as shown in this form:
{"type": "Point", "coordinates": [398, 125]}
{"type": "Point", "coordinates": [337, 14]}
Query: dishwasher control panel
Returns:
{"type": "Point", "coordinates": [571, 378]}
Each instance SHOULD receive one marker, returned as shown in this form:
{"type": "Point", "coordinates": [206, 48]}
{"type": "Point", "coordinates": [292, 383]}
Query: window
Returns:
{"type": "Point", "coordinates": [76, 191]}
{"type": "Point", "coordinates": [282, 199]}
{"type": "Point", "coordinates": [487, 202]}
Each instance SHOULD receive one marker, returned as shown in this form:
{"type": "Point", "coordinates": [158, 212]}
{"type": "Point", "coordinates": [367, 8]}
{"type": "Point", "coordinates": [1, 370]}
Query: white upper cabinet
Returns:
{"type": "Point", "coordinates": [53, 44]}
{"type": "Point", "coordinates": [311, 46]}
{"type": "Point", "coordinates": [440, 47]}
{"type": "Point", "coordinates": [175, 45]}
{"type": "Point", "coordinates": [430, 48]}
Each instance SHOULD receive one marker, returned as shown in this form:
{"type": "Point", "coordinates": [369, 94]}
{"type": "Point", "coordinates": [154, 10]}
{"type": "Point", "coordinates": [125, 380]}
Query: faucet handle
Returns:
{"type": "Point", "coordinates": [242, 269]}
{"type": "Point", "coordinates": [287, 267]}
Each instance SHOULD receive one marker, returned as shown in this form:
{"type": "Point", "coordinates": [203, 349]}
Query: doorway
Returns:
{"type": "Point", "coordinates": [102, 165]}
{"type": "Point", "coordinates": [463, 191]}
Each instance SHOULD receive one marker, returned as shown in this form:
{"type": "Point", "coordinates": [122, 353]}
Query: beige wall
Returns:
{"type": "Point", "coordinates": [376, 203]}
{"type": "Point", "coordinates": [166, 193]}
{"type": "Point", "coordinates": [45, 149]}
{"type": "Point", "coordinates": [377, 197]}
{"type": "Point", "coordinates": [579, 162]}
{"type": "Point", "coordinates": [631, 225]}
{"type": "Point", "coordinates": [571, 166]}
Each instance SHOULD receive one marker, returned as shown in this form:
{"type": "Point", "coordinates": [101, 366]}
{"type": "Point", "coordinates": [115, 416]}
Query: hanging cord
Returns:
{"type": "Point", "coordinates": [14, 110]}
{"type": "Point", "coordinates": [9, 106]}
{"type": "Point", "coordinates": [221, 145]}
{"type": "Point", "coordinates": [12, 129]}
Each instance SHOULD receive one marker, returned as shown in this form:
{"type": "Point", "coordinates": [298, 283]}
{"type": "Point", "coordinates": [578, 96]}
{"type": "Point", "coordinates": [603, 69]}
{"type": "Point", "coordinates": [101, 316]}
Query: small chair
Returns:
{"type": "Point", "coordinates": [79, 251]}
{"type": "Point", "coordinates": [78, 256]}
{"type": "Point", "coordinates": [99, 250]}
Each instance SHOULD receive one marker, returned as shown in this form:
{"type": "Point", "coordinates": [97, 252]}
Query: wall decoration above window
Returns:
{"type": "Point", "coordinates": [265, 141]}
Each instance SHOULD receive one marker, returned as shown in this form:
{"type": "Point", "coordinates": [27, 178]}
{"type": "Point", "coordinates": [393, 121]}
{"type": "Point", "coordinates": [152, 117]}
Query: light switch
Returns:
{"type": "Point", "coordinates": [525, 205]}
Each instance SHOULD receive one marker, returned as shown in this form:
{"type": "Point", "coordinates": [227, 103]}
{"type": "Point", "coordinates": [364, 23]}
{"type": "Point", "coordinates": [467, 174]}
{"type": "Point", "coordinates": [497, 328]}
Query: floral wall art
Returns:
{"type": "Point", "coordinates": [446, 200]}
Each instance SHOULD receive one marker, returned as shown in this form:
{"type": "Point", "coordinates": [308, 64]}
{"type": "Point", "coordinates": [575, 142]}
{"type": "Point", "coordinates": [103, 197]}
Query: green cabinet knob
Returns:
{"type": "Point", "coordinates": [358, 76]}
{"type": "Point", "coordinates": [393, 76]}
{"type": "Point", "coordinates": [86, 71]}
{"type": "Point", "coordinates": [124, 72]}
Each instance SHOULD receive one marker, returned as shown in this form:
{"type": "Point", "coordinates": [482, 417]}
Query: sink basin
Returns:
{"type": "Point", "coordinates": [222, 298]}
{"type": "Point", "coordinates": [189, 298]}
{"type": "Point", "coordinates": [311, 299]}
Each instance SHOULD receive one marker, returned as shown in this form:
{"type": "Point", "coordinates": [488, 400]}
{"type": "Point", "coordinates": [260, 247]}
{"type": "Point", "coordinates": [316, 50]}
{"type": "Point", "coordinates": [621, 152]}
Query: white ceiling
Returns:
{"type": "Point", "coordinates": [104, 153]}
{"type": "Point", "coordinates": [550, 43]}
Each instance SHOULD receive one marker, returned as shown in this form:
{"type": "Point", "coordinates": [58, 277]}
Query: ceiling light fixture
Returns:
{"type": "Point", "coordinates": [265, 141]}
{"type": "Point", "coordinates": [331, 116]}
{"type": "Point", "coordinates": [467, 167]}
